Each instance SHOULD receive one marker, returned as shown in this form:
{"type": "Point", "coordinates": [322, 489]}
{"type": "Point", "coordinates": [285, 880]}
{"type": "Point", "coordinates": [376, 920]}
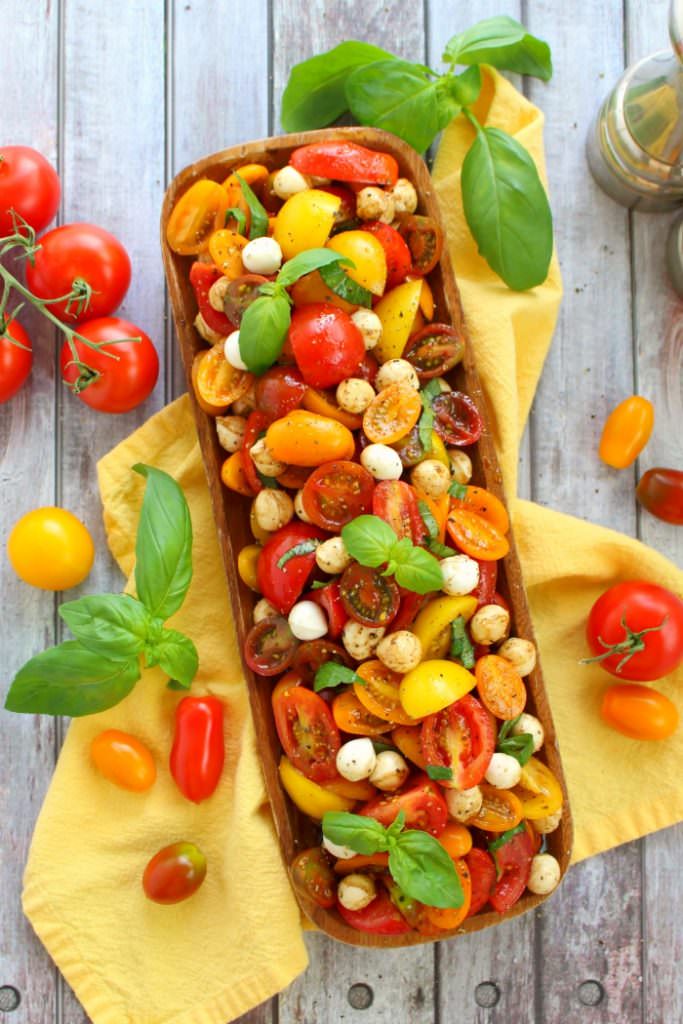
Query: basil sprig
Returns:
{"type": "Point", "coordinates": [344, 286]}
{"type": "Point", "coordinates": [332, 674]}
{"type": "Point", "coordinates": [102, 665]}
{"type": "Point", "coordinates": [418, 863]}
{"type": "Point", "coordinates": [259, 217]}
{"type": "Point", "coordinates": [372, 542]}
{"type": "Point", "coordinates": [520, 747]}
{"type": "Point", "coordinates": [461, 645]}
{"type": "Point", "coordinates": [504, 43]}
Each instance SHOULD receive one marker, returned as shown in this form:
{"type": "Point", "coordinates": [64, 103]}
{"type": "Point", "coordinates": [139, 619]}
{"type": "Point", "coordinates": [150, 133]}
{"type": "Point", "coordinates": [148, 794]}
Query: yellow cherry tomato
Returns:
{"type": "Point", "coordinates": [199, 212]}
{"type": "Point", "coordinates": [367, 253]}
{"type": "Point", "coordinates": [51, 549]}
{"type": "Point", "coordinates": [397, 311]}
{"type": "Point", "coordinates": [247, 562]}
{"type": "Point", "coordinates": [626, 432]}
{"type": "Point", "coordinates": [433, 685]}
{"type": "Point", "coordinates": [438, 451]}
{"type": "Point", "coordinates": [308, 796]}
{"type": "Point", "coordinates": [306, 439]}
{"type": "Point", "coordinates": [305, 221]}
{"type": "Point", "coordinates": [363, 789]}
{"type": "Point", "coordinates": [124, 760]}
{"type": "Point", "coordinates": [433, 624]}
{"type": "Point", "coordinates": [225, 249]}
{"type": "Point", "coordinates": [538, 790]}
{"type": "Point", "coordinates": [254, 175]}
{"type": "Point", "coordinates": [232, 475]}
{"type": "Point", "coordinates": [320, 402]}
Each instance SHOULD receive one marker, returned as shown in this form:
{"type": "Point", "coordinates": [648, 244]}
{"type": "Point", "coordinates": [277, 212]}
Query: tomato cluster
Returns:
{"type": "Point", "coordinates": [356, 423]}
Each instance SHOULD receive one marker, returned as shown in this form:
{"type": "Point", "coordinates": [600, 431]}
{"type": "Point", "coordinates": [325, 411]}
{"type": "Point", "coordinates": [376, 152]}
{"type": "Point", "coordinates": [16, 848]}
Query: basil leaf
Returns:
{"type": "Point", "coordinates": [421, 867]}
{"type": "Point", "coordinates": [439, 771]}
{"type": "Point", "coordinates": [440, 550]}
{"type": "Point", "coordinates": [461, 645]}
{"type": "Point", "coordinates": [520, 747]}
{"type": "Point", "coordinates": [314, 95]}
{"type": "Point", "coordinates": [333, 674]}
{"type": "Point", "coordinates": [426, 424]}
{"type": "Point", "coordinates": [503, 43]}
{"type": "Point", "coordinates": [305, 263]}
{"type": "Point", "coordinates": [111, 624]}
{"type": "Point", "coordinates": [379, 746]}
{"type": "Point", "coordinates": [176, 654]}
{"type": "Point", "coordinates": [428, 519]}
{"type": "Point", "coordinates": [399, 97]}
{"type": "Point", "coordinates": [457, 490]}
{"type": "Point", "coordinates": [71, 680]}
{"type": "Point", "coordinates": [507, 209]}
{"type": "Point", "coordinates": [344, 286]}
{"type": "Point", "coordinates": [163, 548]}
{"type": "Point", "coordinates": [466, 86]}
{"type": "Point", "coordinates": [234, 213]}
{"type": "Point", "coordinates": [421, 574]}
{"type": "Point", "coordinates": [505, 837]}
{"type": "Point", "coordinates": [319, 584]}
{"type": "Point", "coordinates": [507, 727]}
{"type": "Point", "coordinates": [173, 684]}
{"type": "Point", "coordinates": [305, 547]}
{"type": "Point", "coordinates": [263, 331]}
{"type": "Point", "coordinates": [369, 540]}
{"type": "Point", "coordinates": [259, 217]}
{"type": "Point", "coordinates": [396, 826]}
{"type": "Point", "coordinates": [364, 835]}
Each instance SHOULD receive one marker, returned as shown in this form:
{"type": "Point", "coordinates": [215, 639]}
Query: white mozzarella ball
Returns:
{"type": "Point", "coordinates": [396, 371]}
{"type": "Point", "coordinates": [504, 771]}
{"type": "Point", "coordinates": [356, 759]}
{"type": "Point", "coordinates": [337, 850]}
{"type": "Point", "coordinates": [463, 804]}
{"type": "Point", "coordinates": [545, 874]}
{"type": "Point", "coordinates": [262, 256]}
{"type": "Point", "coordinates": [263, 609]}
{"type": "Point", "coordinates": [299, 507]}
{"type": "Point", "coordinates": [307, 621]}
{"type": "Point", "coordinates": [400, 651]}
{"type": "Point", "coordinates": [405, 196]}
{"type": "Point", "coordinates": [356, 891]}
{"type": "Point", "coordinates": [390, 771]}
{"type": "Point", "coordinates": [520, 653]}
{"type": "Point", "coordinates": [332, 557]}
{"type": "Point", "coordinates": [232, 351]}
{"type": "Point", "coordinates": [272, 509]}
{"type": "Point", "coordinates": [264, 461]}
{"type": "Point", "coordinates": [288, 181]}
{"type": "Point", "coordinates": [460, 575]}
{"type": "Point", "coordinates": [461, 465]}
{"type": "Point", "coordinates": [382, 461]}
{"type": "Point", "coordinates": [531, 725]}
{"type": "Point", "coordinates": [231, 431]}
{"type": "Point", "coordinates": [369, 325]}
{"type": "Point", "coordinates": [361, 641]}
{"type": "Point", "coordinates": [432, 477]}
{"type": "Point", "coordinates": [548, 823]}
{"type": "Point", "coordinates": [489, 624]}
{"type": "Point", "coordinates": [354, 395]}
{"type": "Point", "coordinates": [373, 203]}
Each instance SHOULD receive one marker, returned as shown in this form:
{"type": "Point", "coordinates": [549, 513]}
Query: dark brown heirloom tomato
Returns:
{"type": "Point", "coordinates": [395, 502]}
{"type": "Point", "coordinates": [456, 419]}
{"type": "Point", "coordinates": [239, 295]}
{"type": "Point", "coordinates": [174, 873]}
{"type": "Point", "coordinates": [270, 646]}
{"type": "Point", "coordinates": [315, 653]}
{"type": "Point", "coordinates": [337, 492]}
{"type": "Point", "coordinates": [280, 390]}
{"type": "Point", "coordinates": [409, 448]}
{"type": "Point", "coordinates": [312, 874]}
{"type": "Point", "coordinates": [660, 491]}
{"type": "Point", "coordinates": [424, 238]}
{"type": "Point", "coordinates": [435, 350]}
{"type": "Point", "coordinates": [369, 597]}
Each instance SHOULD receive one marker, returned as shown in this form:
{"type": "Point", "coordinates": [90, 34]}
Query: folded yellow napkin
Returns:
{"type": "Point", "coordinates": [238, 939]}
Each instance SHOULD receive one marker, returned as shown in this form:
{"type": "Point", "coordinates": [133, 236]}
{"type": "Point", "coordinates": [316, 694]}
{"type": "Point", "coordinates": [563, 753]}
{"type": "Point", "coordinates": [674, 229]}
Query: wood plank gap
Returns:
{"type": "Point", "coordinates": [169, 165]}
{"type": "Point", "coordinates": [273, 117]}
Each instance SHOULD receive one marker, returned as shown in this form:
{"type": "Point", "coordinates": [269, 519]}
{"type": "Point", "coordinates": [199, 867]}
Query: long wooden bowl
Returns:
{"type": "Point", "coordinates": [295, 831]}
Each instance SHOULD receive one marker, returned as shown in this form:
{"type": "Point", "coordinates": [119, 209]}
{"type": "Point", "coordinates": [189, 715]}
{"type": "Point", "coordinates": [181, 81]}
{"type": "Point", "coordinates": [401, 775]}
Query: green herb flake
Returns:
{"type": "Point", "coordinates": [461, 645]}
{"type": "Point", "coordinates": [458, 491]}
{"type": "Point", "coordinates": [332, 674]}
{"type": "Point", "coordinates": [439, 772]}
{"type": "Point", "coordinates": [305, 547]}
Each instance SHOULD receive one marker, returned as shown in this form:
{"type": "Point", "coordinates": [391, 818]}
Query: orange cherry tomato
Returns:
{"type": "Point", "coordinates": [408, 740]}
{"type": "Point", "coordinates": [256, 176]}
{"type": "Point", "coordinates": [312, 288]}
{"type": "Point", "coordinates": [321, 403]}
{"type": "Point", "coordinates": [448, 918]}
{"type": "Point", "coordinates": [476, 536]}
{"type": "Point", "coordinates": [626, 432]}
{"type": "Point", "coordinates": [217, 384]}
{"type": "Point", "coordinates": [500, 810]}
{"type": "Point", "coordinates": [392, 414]}
{"type": "Point", "coordinates": [234, 477]}
{"type": "Point", "coordinates": [361, 860]}
{"type": "Point", "coordinates": [352, 716]}
{"type": "Point", "coordinates": [225, 248]}
{"type": "Point", "coordinates": [456, 840]}
{"type": "Point", "coordinates": [306, 439]}
{"type": "Point", "coordinates": [199, 212]}
{"type": "Point", "coordinates": [124, 760]}
{"type": "Point", "coordinates": [639, 712]}
{"type": "Point", "coordinates": [486, 505]}
{"type": "Point", "coordinates": [380, 693]}
{"type": "Point", "coordinates": [439, 507]}
{"type": "Point", "coordinates": [500, 686]}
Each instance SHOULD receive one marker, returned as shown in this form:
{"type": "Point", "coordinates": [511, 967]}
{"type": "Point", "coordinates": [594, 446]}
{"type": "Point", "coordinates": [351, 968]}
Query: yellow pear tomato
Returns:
{"type": "Point", "coordinates": [308, 796]}
{"type": "Point", "coordinates": [397, 310]}
{"type": "Point", "coordinates": [432, 626]}
{"type": "Point", "coordinates": [367, 253]}
{"type": "Point", "coordinates": [305, 221]}
{"type": "Point", "coordinates": [433, 685]}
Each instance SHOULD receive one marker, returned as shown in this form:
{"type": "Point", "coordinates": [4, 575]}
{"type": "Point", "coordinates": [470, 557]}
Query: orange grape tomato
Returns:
{"type": "Point", "coordinates": [199, 212]}
{"type": "Point", "coordinates": [640, 712]}
{"type": "Point", "coordinates": [392, 414]}
{"type": "Point", "coordinates": [207, 407]}
{"type": "Point", "coordinates": [225, 249]}
{"type": "Point", "coordinates": [233, 475]}
{"type": "Point", "coordinates": [312, 288]}
{"type": "Point", "coordinates": [500, 810]}
{"type": "Point", "coordinates": [500, 686]}
{"type": "Point", "coordinates": [426, 301]}
{"type": "Point", "coordinates": [476, 536]}
{"type": "Point", "coordinates": [448, 918]}
{"type": "Point", "coordinates": [352, 716]}
{"type": "Point", "coordinates": [456, 839]}
{"type": "Point", "coordinates": [254, 175]}
{"type": "Point", "coordinates": [408, 740]}
{"type": "Point", "coordinates": [626, 432]}
{"type": "Point", "coordinates": [306, 439]}
{"type": "Point", "coordinates": [217, 383]}
{"type": "Point", "coordinates": [323, 404]}
{"type": "Point", "coordinates": [486, 505]}
{"type": "Point", "coordinates": [124, 760]}
{"type": "Point", "coordinates": [380, 692]}
{"type": "Point", "coordinates": [361, 860]}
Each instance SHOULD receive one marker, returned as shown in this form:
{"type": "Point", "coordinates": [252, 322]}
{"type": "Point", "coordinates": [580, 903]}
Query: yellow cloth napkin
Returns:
{"type": "Point", "coordinates": [238, 940]}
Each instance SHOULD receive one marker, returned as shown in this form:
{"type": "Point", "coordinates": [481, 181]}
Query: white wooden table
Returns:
{"type": "Point", "coordinates": [120, 96]}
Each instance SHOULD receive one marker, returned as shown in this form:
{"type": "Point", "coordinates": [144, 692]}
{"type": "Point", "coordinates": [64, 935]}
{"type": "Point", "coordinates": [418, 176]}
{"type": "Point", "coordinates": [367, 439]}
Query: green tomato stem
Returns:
{"type": "Point", "coordinates": [632, 644]}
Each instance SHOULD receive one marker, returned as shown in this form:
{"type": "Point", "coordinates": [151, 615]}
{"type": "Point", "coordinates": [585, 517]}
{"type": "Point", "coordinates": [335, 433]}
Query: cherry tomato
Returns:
{"type": "Point", "coordinates": [283, 585]}
{"type": "Point", "coordinates": [501, 810]}
{"type": "Point", "coordinates": [124, 760]}
{"type": "Point", "coordinates": [461, 737]}
{"type": "Point", "coordinates": [324, 403]}
{"type": "Point", "coordinates": [312, 874]}
{"type": "Point", "coordinates": [305, 439]}
{"type": "Point", "coordinates": [367, 256]}
{"type": "Point", "coordinates": [345, 161]}
{"type": "Point", "coordinates": [256, 423]}
{"type": "Point", "coordinates": [456, 419]}
{"type": "Point", "coordinates": [368, 368]}
{"type": "Point", "coordinates": [216, 382]}
{"type": "Point", "coordinates": [456, 840]}
{"type": "Point", "coordinates": [345, 216]}
{"type": "Point", "coordinates": [476, 536]}
{"type": "Point", "coordinates": [500, 686]}
{"type": "Point", "coordinates": [199, 212]}
{"type": "Point", "coordinates": [352, 716]}
{"type": "Point", "coordinates": [639, 712]}
{"type": "Point", "coordinates": [380, 917]}
{"type": "Point", "coordinates": [305, 221]}
{"type": "Point", "coordinates": [635, 631]}
{"type": "Point", "coordinates": [202, 276]}
{"type": "Point", "coordinates": [626, 432]}
{"type": "Point", "coordinates": [198, 751]}
{"type": "Point", "coordinates": [422, 800]}
{"type": "Point", "coordinates": [174, 873]}
{"type": "Point", "coordinates": [392, 414]}
{"type": "Point", "coordinates": [513, 867]}
{"type": "Point", "coordinates": [270, 646]}
{"type": "Point", "coordinates": [660, 491]}
{"type": "Point", "coordinates": [280, 390]}
{"type": "Point", "coordinates": [311, 288]}
{"type": "Point", "coordinates": [448, 918]}
{"type": "Point", "coordinates": [329, 599]}
{"type": "Point", "coordinates": [362, 860]}
{"type": "Point", "coordinates": [225, 249]}
{"type": "Point", "coordinates": [396, 252]}
{"type": "Point", "coordinates": [363, 789]}
{"type": "Point", "coordinates": [397, 310]}
{"type": "Point", "coordinates": [307, 732]}
{"type": "Point", "coordinates": [80, 252]}
{"type": "Point", "coordinates": [15, 360]}
{"type": "Point", "coordinates": [240, 293]}
{"type": "Point", "coordinates": [395, 502]}
{"type": "Point", "coordinates": [483, 876]}
{"type": "Point", "coordinates": [424, 238]}
{"type": "Point", "coordinates": [539, 791]}
{"type": "Point", "coordinates": [408, 740]}
{"type": "Point", "coordinates": [410, 605]}
{"type": "Point", "coordinates": [51, 549]}
{"type": "Point", "coordinates": [435, 350]}
{"type": "Point", "coordinates": [486, 587]}
{"type": "Point", "coordinates": [232, 470]}
{"type": "Point", "coordinates": [327, 344]}
{"type": "Point", "coordinates": [433, 685]}
{"type": "Point", "coordinates": [367, 596]}
{"type": "Point", "coordinates": [486, 505]}
{"type": "Point", "coordinates": [337, 492]}
{"type": "Point", "coordinates": [415, 913]}
{"type": "Point", "coordinates": [124, 381]}
{"type": "Point", "coordinates": [313, 654]}
{"type": "Point", "coordinates": [310, 797]}
{"type": "Point", "coordinates": [380, 692]}
{"type": "Point", "coordinates": [28, 185]}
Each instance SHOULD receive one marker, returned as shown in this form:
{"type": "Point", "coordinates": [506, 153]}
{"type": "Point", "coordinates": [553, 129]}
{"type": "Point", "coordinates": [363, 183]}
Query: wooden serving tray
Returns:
{"type": "Point", "coordinates": [295, 831]}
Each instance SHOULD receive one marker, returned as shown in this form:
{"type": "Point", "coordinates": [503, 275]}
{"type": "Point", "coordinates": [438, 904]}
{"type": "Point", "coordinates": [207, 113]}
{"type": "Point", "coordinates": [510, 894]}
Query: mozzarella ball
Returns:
{"type": "Point", "coordinates": [307, 621]}
{"type": "Point", "coordinates": [400, 651]}
{"type": "Point", "coordinates": [206, 332]}
{"type": "Point", "coordinates": [288, 181]}
{"type": "Point", "coordinates": [272, 509]}
{"type": "Point", "coordinates": [356, 759]}
{"type": "Point", "coordinates": [337, 850]}
{"type": "Point", "coordinates": [246, 404]}
{"type": "Point", "coordinates": [404, 196]}
{"type": "Point", "coordinates": [262, 256]}
{"type": "Point", "coordinates": [263, 609]}
{"type": "Point", "coordinates": [331, 556]}
{"type": "Point", "coordinates": [231, 347]}
{"type": "Point", "coordinates": [463, 804]}
{"type": "Point", "coordinates": [390, 771]}
{"type": "Point", "coordinates": [397, 371]}
{"type": "Point", "coordinates": [369, 325]}
{"type": "Point", "coordinates": [504, 771]}
{"type": "Point", "coordinates": [382, 461]}
{"type": "Point", "coordinates": [354, 395]}
{"type": "Point", "coordinates": [545, 874]}
{"type": "Point", "coordinates": [264, 461]}
{"type": "Point", "coordinates": [356, 891]}
{"type": "Point", "coordinates": [548, 823]}
{"type": "Point", "coordinates": [461, 465]}
{"type": "Point", "coordinates": [361, 641]}
{"type": "Point", "coordinates": [432, 477]}
{"type": "Point", "coordinates": [299, 507]}
{"type": "Point", "coordinates": [460, 575]}
{"type": "Point", "coordinates": [231, 431]}
{"type": "Point", "coordinates": [489, 624]}
{"type": "Point", "coordinates": [373, 203]}
{"type": "Point", "coordinates": [530, 724]}
{"type": "Point", "coordinates": [217, 294]}
{"type": "Point", "coordinates": [520, 653]}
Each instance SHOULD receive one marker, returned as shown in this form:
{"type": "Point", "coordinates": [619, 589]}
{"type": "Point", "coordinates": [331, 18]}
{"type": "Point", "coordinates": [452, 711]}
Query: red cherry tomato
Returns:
{"type": "Point", "coordinates": [198, 751]}
{"type": "Point", "coordinates": [240, 292]}
{"type": "Point", "coordinates": [202, 277]}
{"type": "Point", "coordinates": [280, 390]}
{"type": "Point", "coordinates": [635, 631]}
{"type": "Point", "coordinates": [513, 867]}
{"type": "Point", "coordinates": [337, 492]}
{"type": "Point", "coordinates": [435, 350]}
{"type": "Point", "coordinates": [282, 586]}
{"type": "Point", "coordinates": [639, 712]}
{"type": "Point", "coordinates": [346, 214]}
{"type": "Point", "coordinates": [270, 646]}
{"type": "Point", "coordinates": [327, 345]}
{"type": "Point", "coordinates": [307, 732]}
{"type": "Point", "coordinates": [315, 653]}
{"type": "Point", "coordinates": [424, 238]}
{"type": "Point", "coordinates": [422, 800]}
{"type": "Point", "coordinates": [368, 368]}
{"type": "Point", "coordinates": [80, 252]}
{"type": "Point", "coordinates": [368, 597]}
{"type": "Point", "coordinates": [485, 590]}
{"type": "Point", "coordinates": [28, 185]}
{"type": "Point", "coordinates": [380, 917]}
{"type": "Point", "coordinates": [345, 161]}
{"type": "Point", "coordinates": [256, 423]}
{"type": "Point", "coordinates": [410, 605]}
{"type": "Point", "coordinates": [462, 737]}
{"type": "Point", "coordinates": [125, 381]}
{"type": "Point", "coordinates": [174, 873]}
{"type": "Point", "coordinates": [15, 362]}
{"type": "Point", "coordinates": [329, 599]}
{"type": "Point", "coordinates": [396, 251]}
{"type": "Point", "coordinates": [395, 502]}
{"type": "Point", "coordinates": [456, 419]}
{"type": "Point", "coordinates": [660, 491]}
{"type": "Point", "coordinates": [483, 875]}
{"type": "Point", "coordinates": [312, 874]}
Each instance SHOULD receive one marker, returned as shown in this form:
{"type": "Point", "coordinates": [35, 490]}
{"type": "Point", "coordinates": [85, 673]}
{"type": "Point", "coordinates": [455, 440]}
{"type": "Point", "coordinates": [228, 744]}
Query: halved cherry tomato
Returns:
{"type": "Point", "coordinates": [483, 877]}
{"type": "Point", "coordinates": [539, 791]}
{"type": "Point", "coordinates": [407, 610]}
{"type": "Point", "coordinates": [476, 536]}
{"type": "Point", "coordinates": [307, 732]}
{"type": "Point", "coordinates": [380, 861]}
{"type": "Point", "coordinates": [309, 796]}
{"type": "Point", "coordinates": [396, 252]}
{"type": "Point", "coordinates": [513, 867]}
{"type": "Point", "coordinates": [486, 505]}
{"type": "Point", "coordinates": [305, 439]}
{"type": "Point", "coordinates": [217, 383]}
{"type": "Point", "coordinates": [345, 161]}
{"type": "Point", "coordinates": [256, 423]}
{"type": "Point", "coordinates": [337, 492]}
{"type": "Point", "coordinates": [352, 716]}
{"type": "Point", "coordinates": [626, 432]}
{"type": "Point", "coordinates": [456, 419]}
{"type": "Point", "coordinates": [369, 597]}
{"type": "Point", "coordinates": [124, 760]}
{"type": "Point", "coordinates": [380, 692]}
{"type": "Point", "coordinates": [311, 288]}
{"type": "Point", "coordinates": [198, 212]}
{"type": "Point", "coordinates": [305, 221]}
{"type": "Point", "coordinates": [660, 491]}
{"type": "Point", "coordinates": [280, 390]}
{"type": "Point", "coordinates": [174, 873]}
{"type": "Point", "coordinates": [486, 587]}
{"type": "Point", "coordinates": [412, 910]}
{"type": "Point", "coordinates": [270, 646]}
{"type": "Point", "coordinates": [397, 310]}
{"type": "Point", "coordinates": [363, 789]}
{"type": "Point", "coordinates": [408, 740]}
{"type": "Point", "coordinates": [324, 403]}
{"type": "Point", "coordinates": [202, 276]}
{"type": "Point", "coordinates": [329, 599]}
{"type": "Point", "coordinates": [424, 238]}
{"type": "Point", "coordinates": [367, 255]}
{"type": "Point", "coordinates": [433, 625]}
{"type": "Point", "coordinates": [283, 585]}
{"type": "Point", "coordinates": [456, 839]}
{"type": "Point", "coordinates": [500, 686]}
{"type": "Point", "coordinates": [500, 810]}
{"type": "Point", "coordinates": [421, 800]}
{"type": "Point", "coordinates": [392, 413]}
{"type": "Point", "coordinates": [327, 344]}
{"type": "Point", "coordinates": [395, 502]}
{"type": "Point", "coordinates": [240, 293]}
{"type": "Point", "coordinates": [640, 712]}
{"type": "Point", "coordinates": [434, 350]}
{"type": "Point", "coordinates": [433, 685]}
{"type": "Point", "coordinates": [294, 477]}
{"type": "Point", "coordinates": [255, 175]}
{"type": "Point", "coordinates": [232, 470]}
{"type": "Point", "coordinates": [439, 508]}
{"type": "Point", "coordinates": [225, 249]}
{"type": "Point", "coordinates": [461, 737]}
{"type": "Point", "coordinates": [450, 917]}
{"type": "Point", "coordinates": [379, 917]}
{"type": "Point", "coordinates": [312, 874]}
{"type": "Point", "coordinates": [368, 368]}
{"type": "Point", "coordinates": [311, 655]}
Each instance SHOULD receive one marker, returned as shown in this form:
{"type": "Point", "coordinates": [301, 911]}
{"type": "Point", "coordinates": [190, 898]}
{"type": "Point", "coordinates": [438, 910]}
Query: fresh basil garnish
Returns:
{"type": "Point", "coordinates": [372, 542]}
{"type": "Point", "coordinates": [461, 645]}
{"type": "Point", "coordinates": [304, 547]}
{"type": "Point", "coordinates": [332, 674]}
{"type": "Point", "coordinates": [163, 548]}
{"type": "Point", "coordinates": [439, 772]}
{"type": "Point", "coordinates": [344, 286]}
{"type": "Point", "coordinates": [259, 217]}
